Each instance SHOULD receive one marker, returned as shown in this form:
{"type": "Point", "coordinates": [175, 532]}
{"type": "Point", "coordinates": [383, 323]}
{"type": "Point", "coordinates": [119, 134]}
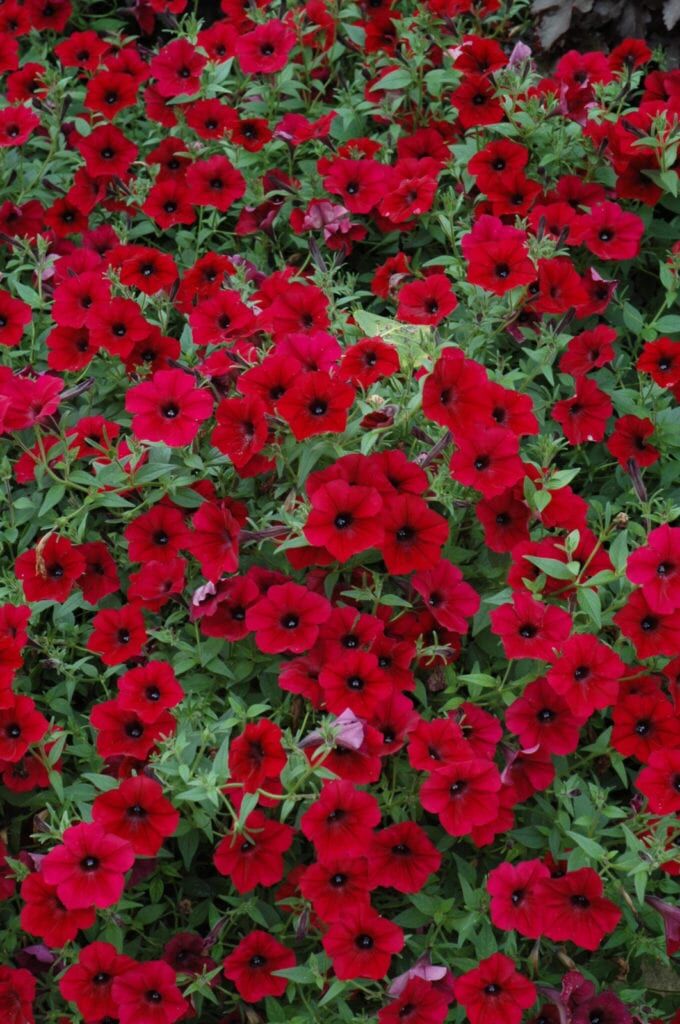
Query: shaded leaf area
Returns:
{"type": "Point", "coordinates": [563, 25]}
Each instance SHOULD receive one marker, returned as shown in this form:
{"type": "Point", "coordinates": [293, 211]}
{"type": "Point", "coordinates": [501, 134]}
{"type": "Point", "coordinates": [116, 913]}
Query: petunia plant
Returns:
{"type": "Point", "coordinates": [340, 534]}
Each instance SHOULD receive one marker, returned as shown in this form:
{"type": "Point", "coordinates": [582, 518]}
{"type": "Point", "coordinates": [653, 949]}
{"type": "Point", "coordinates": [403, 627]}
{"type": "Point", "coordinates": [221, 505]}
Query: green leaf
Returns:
{"type": "Point", "coordinates": [588, 846]}
{"type": "Point", "coordinates": [668, 323]}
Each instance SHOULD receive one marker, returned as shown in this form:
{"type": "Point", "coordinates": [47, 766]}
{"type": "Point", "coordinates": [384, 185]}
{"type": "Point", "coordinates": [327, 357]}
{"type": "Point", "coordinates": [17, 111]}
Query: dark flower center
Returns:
{"type": "Point", "coordinates": [401, 850]}
{"type": "Point", "coordinates": [517, 897]}
{"type": "Point", "coordinates": [643, 727]}
{"type": "Point", "coordinates": [170, 411]}
{"type": "Point", "coordinates": [101, 978]}
{"type": "Point", "coordinates": [482, 462]}
{"type": "Point", "coordinates": [545, 715]}
{"type": "Point", "coordinates": [664, 569]}
{"type": "Point", "coordinates": [355, 683]}
{"type": "Point", "coordinates": [405, 533]}
{"type": "Point", "coordinates": [318, 407]}
{"type": "Point", "coordinates": [134, 730]}
{"type": "Point", "coordinates": [337, 880]}
{"type": "Point", "coordinates": [290, 621]}
{"type": "Point", "coordinates": [528, 631]}
{"type": "Point", "coordinates": [456, 788]}
{"type": "Point", "coordinates": [123, 636]}
{"type": "Point", "coordinates": [605, 235]}
{"type": "Point", "coordinates": [257, 960]}
{"type": "Point", "coordinates": [580, 901]}
{"type": "Point", "coordinates": [648, 623]}
{"type": "Point", "coordinates": [502, 271]}
{"type": "Point", "coordinates": [343, 520]}
{"type": "Point", "coordinates": [89, 863]}
{"type": "Point", "coordinates": [136, 811]}
{"type": "Point", "coordinates": [363, 941]}
{"type": "Point", "coordinates": [581, 673]}
{"type": "Point", "coordinates": [152, 693]}
{"type": "Point", "coordinates": [493, 989]}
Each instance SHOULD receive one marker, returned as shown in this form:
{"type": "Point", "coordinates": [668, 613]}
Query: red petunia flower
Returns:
{"type": "Point", "coordinates": [487, 460]}
{"type": "Point", "coordinates": [612, 234]}
{"type": "Point", "coordinates": [655, 568]}
{"type": "Point", "coordinates": [257, 755]}
{"type": "Point", "coordinates": [118, 634]}
{"type": "Point", "coordinates": [628, 442]}
{"type": "Point", "coordinates": [449, 598]}
{"type": "Point", "coordinates": [334, 884]}
{"type": "Point", "coordinates": [215, 182]}
{"type": "Point", "coordinates": [265, 50]}
{"type": "Point", "coordinates": [14, 315]}
{"type": "Point", "coordinates": [540, 717]}
{"type": "Point", "coordinates": [426, 302]}
{"type": "Point", "coordinates": [341, 821]}
{"type": "Point", "coordinates": [414, 534]}
{"type": "Point", "coordinates": [529, 628]}
{"type": "Point", "coordinates": [177, 69]}
{"type": "Point", "coordinates": [575, 909]}
{"type": "Point", "coordinates": [138, 812]}
{"type": "Point", "coordinates": [495, 991]}
{"type": "Point", "coordinates": [403, 857]}
{"type": "Point", "coordinates": [251, 965]}
{"type": "Point", "coordinates": [149, 690]}
{"type": "Point", "coordinates": [643, 724]}
{"type": "Point", "coordinates": [17, 992]}
{"type": "Point", "coordinates": [254, 856]}
{"type": "Point", "coordinates": [123, 733]}
{"type": "Point", "coordinates": [88, 983]}
{"type": "Point", "coordinates": [584, 417]}
{"type": "Point", "coordinates": [356, 682]}
{"type": "Point", "coordinates": [49, 571]}
{"type": "Point", "coordinates": [316, 404]}
{"type": "Point", "coordinates": [148, 992]}
{"type": "Point", "coordinates": [360, 183]}
{"type": "Point", "coordinates": [361, 944]}
{"type": "Point", "coordinates": [168, 408]}
{"type": "Point", "coordinates": [650, 633]}
{"type": "Point", "coordinates": [106, 151]}
{"type": "Point", "coordinates": [586, 674]}
{"type": "Point", "coordinates": [659, 781]}
{"type": "Point", "coordinates": [515, 902]}
{"type": "Point", "coordinates": [287, 618]}
{"type": "Point", "coordinates": [463, 794]}
{"type": "Point", "coordinates": [419, 1002]}
{"type": "Point", "coordinates": [241, 430]}
{"type": "Point", "coordinates": [43, 913]}
{"type": "Point", "coordinates": [344, 519]}
{"type": "Point", "coordinates": [89, 866]}
{"type": "Point", "coordinates": [21, 725]}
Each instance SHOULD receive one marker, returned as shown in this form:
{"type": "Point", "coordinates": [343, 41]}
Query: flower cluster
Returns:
{"type": "Point", "coordinates": [340, 620]}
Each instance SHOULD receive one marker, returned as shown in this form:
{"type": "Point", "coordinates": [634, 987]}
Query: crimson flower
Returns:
{"type": "Point", "coordinates": [265, 50]}
{"type": "Point", "coordinates": [43, 913]}
{"type": "Point", "coordinates": [341, 821]}
{"type": "Point", "coordinates": [168, 408]}
{"type": "Point", "coordinates": [251, 965]}
{"type": "Point", "coordinates": [495, 991]}
{"type": "Point", "coordinates": [254, 856]}
{"type": "Point", "coordinates": [586, 674]}
{"type": "Point", "coordinates": [414, 534]}
{"type": "Point", "coordinates": [344, 519]}
{"type": "Point", "coordinates": [148, 992]}
{"type": "Point", "coordinates": [515, 902]}
{"type": "Point", "coordinates": [529, 628]}
{"type": "Point", "coordinates": [575, 909]}
{"type": "Point", "coordinates": [138, 812]}
{"type": "Point", "coordinates": [656, 569]}
{"type": "Point", "coordinates": [287, 618]}
{"type": "Point", "coordinates": [88, 983]}
{"type": "Point", "coordinates": [463, 794]}
{"type": "Point", "coordinates": [361, 944]}
{"type": "Point", "coordinates": [49, 571]}
{"type": "Point", "coordinates": [427, 302]}
{"type": "Point", "coordinates": [403, 857]}
{"type": "Point", "coordinates": [316, 404]}
{"type": "Point", "coordinates": [89, 866]}
{"type": "Point", "coordinates": [660, 781]}
{"type": "Point", "coordinates": [118, 634]}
